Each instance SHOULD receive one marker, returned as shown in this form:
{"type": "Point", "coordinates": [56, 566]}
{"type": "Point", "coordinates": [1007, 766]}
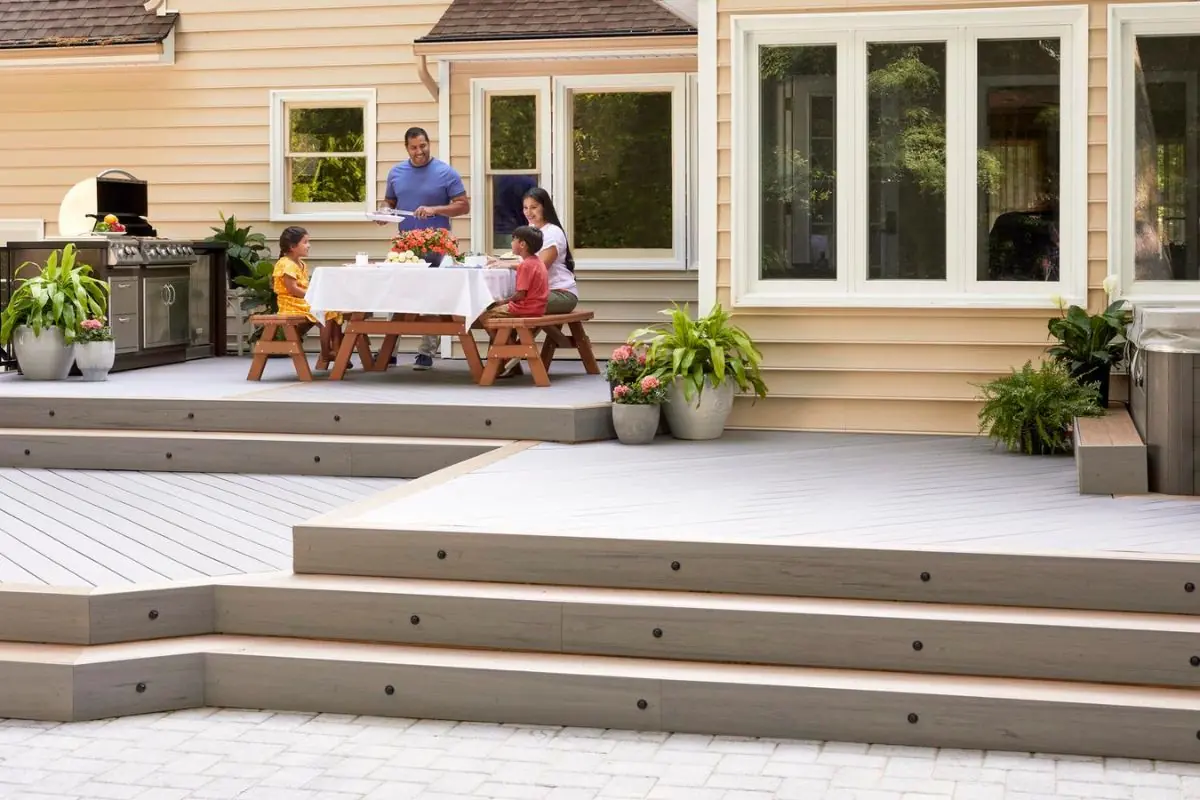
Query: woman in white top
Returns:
{"type": "Point", "coordinates": [555, 252]}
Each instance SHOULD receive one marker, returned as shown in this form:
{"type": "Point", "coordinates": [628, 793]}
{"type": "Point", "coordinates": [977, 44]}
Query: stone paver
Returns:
{"type": "Point", "coordinates": [213, 754]}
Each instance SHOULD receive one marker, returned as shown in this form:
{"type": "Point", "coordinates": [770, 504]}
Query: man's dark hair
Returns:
{"type": "Point", "coordinates": [413, 133]}
{"type": "Point", "coordinates": [531, 236]}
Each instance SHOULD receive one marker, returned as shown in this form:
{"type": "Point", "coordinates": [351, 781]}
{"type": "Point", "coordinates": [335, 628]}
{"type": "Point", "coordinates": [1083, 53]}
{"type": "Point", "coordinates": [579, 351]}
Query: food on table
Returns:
{"type": "Point", "coordinates": [509, 256]}
{"type": "Point", "coordinates": [110, 224]}
{"type": "Point", "coordinates": [405, 257]}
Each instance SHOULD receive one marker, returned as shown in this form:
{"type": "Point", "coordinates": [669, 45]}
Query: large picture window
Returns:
{"type": "Point", "coordinates": [1155, 150]}
{"type": "Point", "coordinates": [911, 158]}
{"type": "Point", "coordinates": [612, 150]}
{"type": "Point", "coordinates": [322, 154]}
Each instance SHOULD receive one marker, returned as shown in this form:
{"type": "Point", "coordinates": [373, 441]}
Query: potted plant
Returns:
{"type": "Point", "coordinates": [95, 350]}
{"type": "Point", "coordinates": [702, 362]}
{"type": "Point", "coordinates": [626, 363]}
{"type": "Point", "coordinates": [245, 249]}
{"type": "Point", "coordinates": [44, 312]}
{"type": "Point", "coordinates": [1089, 345]}
{"type": "Point", "coordinates": [636, 408]}
{"type": "Point", "coordinates": [1031, 411]}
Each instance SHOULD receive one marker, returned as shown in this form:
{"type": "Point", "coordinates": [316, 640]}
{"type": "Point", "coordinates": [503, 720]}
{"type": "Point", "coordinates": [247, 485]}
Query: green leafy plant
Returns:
{"type": "Point", "coordinates": [259, 296]}
{"type": "Point", "coordinates": [245, 249]}
{"type": "Point", "coordinates": [1088, 341]}
{"type": "Point", "coordinates": [709, 348]}
{"type": "Point", "coordinates": [1031, 410]}
{"type": "Point", "coordinates": [62, 295]}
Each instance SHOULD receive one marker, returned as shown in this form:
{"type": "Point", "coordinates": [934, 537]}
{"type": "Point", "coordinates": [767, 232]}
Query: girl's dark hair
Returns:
{"type": "Point", "coordinates": [542, 198]}
{"type": "Point", "coordinates": [290, 238]}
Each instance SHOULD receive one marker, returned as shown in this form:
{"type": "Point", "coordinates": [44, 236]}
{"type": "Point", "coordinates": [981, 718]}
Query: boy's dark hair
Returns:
{"type": "Point", "coordinates": [531, 236]}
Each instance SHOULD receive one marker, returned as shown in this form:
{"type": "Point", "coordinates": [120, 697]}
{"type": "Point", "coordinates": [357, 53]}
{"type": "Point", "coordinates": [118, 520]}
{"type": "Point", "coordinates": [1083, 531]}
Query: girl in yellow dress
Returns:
{"type": "Point", "coordinates": [290, 282]}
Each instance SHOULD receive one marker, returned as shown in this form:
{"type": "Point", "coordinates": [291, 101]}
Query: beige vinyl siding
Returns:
{"type": "Point", "coordinates": [910, 370]}
{"type": "Point", "coordinates": [622, 300]}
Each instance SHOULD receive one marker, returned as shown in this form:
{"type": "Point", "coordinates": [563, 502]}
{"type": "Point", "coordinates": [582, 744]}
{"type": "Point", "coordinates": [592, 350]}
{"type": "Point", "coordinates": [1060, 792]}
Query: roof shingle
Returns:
{"type": "Point", "coordinates": [79, 23]}
{"type": "Point", "coordinates": [484, 20]}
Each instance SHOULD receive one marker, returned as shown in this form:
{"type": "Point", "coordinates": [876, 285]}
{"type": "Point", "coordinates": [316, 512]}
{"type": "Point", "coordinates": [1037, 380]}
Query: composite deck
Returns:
{"type": "Point", "coordinates": [84, 528]}
{"type": "Point", "coordinates": [903, 492]}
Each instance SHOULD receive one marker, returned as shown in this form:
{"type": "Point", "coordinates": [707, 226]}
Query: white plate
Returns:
{"type": "Point", "coordinates": [388, 216]}
{"type": "Point", "coordinates": [110, 234]}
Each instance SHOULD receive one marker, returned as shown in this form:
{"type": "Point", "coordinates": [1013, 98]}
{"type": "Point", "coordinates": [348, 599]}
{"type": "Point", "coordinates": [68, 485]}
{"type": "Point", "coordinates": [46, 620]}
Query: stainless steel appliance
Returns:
{"type": "Point", "coordinates": [165, 317]}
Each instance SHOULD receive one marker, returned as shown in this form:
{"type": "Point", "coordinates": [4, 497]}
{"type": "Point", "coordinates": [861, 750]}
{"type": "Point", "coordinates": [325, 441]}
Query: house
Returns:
{"type": "Point", "coordinates": [892, 197]}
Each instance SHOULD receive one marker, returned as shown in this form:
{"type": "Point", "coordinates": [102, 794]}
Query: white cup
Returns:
{"type": "Point", "coordinates": [361, 259]}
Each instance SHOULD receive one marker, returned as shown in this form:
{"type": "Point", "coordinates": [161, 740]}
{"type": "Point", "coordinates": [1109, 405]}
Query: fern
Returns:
{"type": "Point", "coordinates": [1031, 410]}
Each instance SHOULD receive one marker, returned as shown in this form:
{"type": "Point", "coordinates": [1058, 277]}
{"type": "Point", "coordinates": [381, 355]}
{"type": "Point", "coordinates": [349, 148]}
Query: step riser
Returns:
{"type": "Point", "coordinates": [481, 421]}
{"type": "Point", "coordinates": [888, 643]}
{"type": "Point", "coordinates": [704, 706]}
{"type": "Point", "coordinates": [165, 453]}
{"type": "Point", "coordinates": [1067, 582]}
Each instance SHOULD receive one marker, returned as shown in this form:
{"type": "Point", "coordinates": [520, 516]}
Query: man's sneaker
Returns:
{"type": "Point", "coordinates": [422, 362]}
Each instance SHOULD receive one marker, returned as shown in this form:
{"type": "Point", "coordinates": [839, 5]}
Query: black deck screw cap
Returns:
{"type": "Point", "coordinates": [675, 565]}
{"type": "Point", "coordinates": [153, 614]}
{"type": "Point", "coordinates": [141, 688]}
{"type": "Point", "coordinates": [316, 459]}
{"type": "Point", "coordinates": [925, 577]}
{"type": "Point", "coordinates": [643, 705]}
{"type": "Point", "coordinates": [913, 719]}
{"type": "Point", "coordinates": [1189, 587]}
{"type": "Point", "coordinates": [52, 413]}
{"type": "Point", "coordinates": [191, 415]}
{"type": "Point", "coordinates": [487, 422]}
{"type": "Point", "coordinates": [918, 646]}
{"type": "Point", "coordinates": [657, 633]}
{"type": "Point", "coordinates": [337, 417]}
{"type": "Point", "coordinates": [414, 619]}
{"type": "Point", "coordinates": [26, 452]}
{"type": "Point", "coordinates": [169, 456]}
{"type": "Point", "coordinates": [1194, 661]}
{"type": "Point", "coordinates": [389, 690]}
{"type": "Point", "coordinates": [441, 555]}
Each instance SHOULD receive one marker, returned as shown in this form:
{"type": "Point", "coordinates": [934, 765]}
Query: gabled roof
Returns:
{"type": "Point", "coordinates": [79, 23]}
{"type": "Point", "coordinates": [506, 20]}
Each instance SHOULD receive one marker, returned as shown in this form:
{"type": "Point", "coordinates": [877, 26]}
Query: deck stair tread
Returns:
{"type": "Point", "coordinates": [96, 433]}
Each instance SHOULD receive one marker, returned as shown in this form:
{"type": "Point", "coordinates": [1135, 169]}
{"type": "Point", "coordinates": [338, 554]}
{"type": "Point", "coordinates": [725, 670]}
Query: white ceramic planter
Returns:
{"type": "Point", "coordinates": [42, 357]}
{"type": "Point", "coordinates": [635, 424]}
{"type": "Point", "coordinates": [95, 359]}
{"type": "Point", "coordinates": [704, 416]}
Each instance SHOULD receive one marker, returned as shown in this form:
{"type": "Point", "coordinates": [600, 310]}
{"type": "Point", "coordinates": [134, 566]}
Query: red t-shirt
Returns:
{"type": "Point", "coordinates": [532, 278]}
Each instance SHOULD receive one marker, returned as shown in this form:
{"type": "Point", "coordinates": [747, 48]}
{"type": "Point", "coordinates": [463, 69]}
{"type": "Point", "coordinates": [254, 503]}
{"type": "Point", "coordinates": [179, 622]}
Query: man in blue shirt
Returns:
{"type": "Point", "coordinates": [431, 189]}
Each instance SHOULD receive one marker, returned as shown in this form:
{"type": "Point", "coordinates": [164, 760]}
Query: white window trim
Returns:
{"type": "Point", "coordinates": [1125, 22]}
{"type": "Point", "coordinates": [850, 32]}
{"type": "Point", "coordinates": [481, 89]}
{"type": "Point", "coordinates": [278, 150]}
{"type": "Point", "coordinates": [676, 84]}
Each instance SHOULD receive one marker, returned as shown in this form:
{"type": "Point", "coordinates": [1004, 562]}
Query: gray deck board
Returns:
{"type": "Point", "coordinates": [955, 493]}
{"type": "Point", "coordinates": [93, 528]}
{"type": "Point", "coordinates": [449, 383]}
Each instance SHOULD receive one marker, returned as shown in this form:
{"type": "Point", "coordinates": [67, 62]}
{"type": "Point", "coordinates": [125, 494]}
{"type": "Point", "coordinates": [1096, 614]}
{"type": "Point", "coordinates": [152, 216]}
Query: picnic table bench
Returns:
{"type": "Point", "coordinates": [516, 337]}
{"type": "Point", "coordinates": [292, 345]}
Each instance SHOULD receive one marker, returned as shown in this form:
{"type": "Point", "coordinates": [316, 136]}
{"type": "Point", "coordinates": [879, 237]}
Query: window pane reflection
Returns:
{"type": "Point", "coordinates": [906, 147]}
{"type": "Point", "coordinates": [1019, 163]}
{"type": "Point", "coordinates": [508, 198]}
{"type": "Point", "coordinates": [798, 137]}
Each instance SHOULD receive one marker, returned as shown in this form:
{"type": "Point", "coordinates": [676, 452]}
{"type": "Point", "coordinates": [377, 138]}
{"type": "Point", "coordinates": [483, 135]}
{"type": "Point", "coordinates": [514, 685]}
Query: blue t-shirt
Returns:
{"type": "Point", "coordinates": [434, 184]}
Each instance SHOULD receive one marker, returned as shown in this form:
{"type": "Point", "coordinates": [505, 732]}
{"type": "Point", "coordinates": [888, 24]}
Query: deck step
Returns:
{"type": "Point", "coordinates": [1110, 456]}
{"type": "Point", "coordinates": [199, 451]}
{"type": "Point", "coordinates": [68, 683]}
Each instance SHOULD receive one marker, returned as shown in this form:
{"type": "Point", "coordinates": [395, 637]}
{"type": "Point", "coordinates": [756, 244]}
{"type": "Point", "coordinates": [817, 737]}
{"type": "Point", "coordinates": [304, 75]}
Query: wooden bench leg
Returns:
{"type": "Point", "coordinates": [555, 338]}
{"type": "Point", "coordinates": [531, 355]}
{"type": "Point", "coordinates": [258, 363]}
{"type": "Point", "coordinates": [292, 335]}
{"type": "Point", "coordinates": [471, 351]}
{"type": "Point", "coordinates": [500, 338]}
{"type": "Point", "coordinates": [584, 346]}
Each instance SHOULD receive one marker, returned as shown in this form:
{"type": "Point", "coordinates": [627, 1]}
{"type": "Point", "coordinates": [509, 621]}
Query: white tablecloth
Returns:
{"type": "Point", "coordinates": [457, 292]}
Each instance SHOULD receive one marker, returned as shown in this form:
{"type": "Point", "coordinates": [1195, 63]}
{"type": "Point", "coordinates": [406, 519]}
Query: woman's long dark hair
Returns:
{"type": "Point", "coordinates": [540, 196]}
{"type": "Point", "coordinates": [289, 239]}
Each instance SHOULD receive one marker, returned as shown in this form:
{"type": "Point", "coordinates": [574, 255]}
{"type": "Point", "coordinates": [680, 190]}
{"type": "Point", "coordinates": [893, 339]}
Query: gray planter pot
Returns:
{"type": "Point", "coordinates": [704, 417]}
{"type": "Point", "coordinates": [635, 424]}
{"type": "Point", "coordinates": [44, 357]}
{"type": "Point", "coordinates": [95, 359]}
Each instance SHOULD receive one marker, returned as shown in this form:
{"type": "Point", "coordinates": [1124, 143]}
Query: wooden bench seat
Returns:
{"type": "Point", "coordinates": [1110, 457]}
{"type": "Point", "coordinates": [292, 344]}
{"type": "Point", "coordinates": [516, 337]}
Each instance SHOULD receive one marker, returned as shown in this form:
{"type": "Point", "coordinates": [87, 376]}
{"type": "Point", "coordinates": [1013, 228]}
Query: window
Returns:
{"type": "Point", "coordinates": [1154, 170]}
{"type": "Point", "coordinates": [611, 150]}
{"type": "Point", "coordinates": [322, 154]}
{"type": "Point", "coordinates": [909, 158]}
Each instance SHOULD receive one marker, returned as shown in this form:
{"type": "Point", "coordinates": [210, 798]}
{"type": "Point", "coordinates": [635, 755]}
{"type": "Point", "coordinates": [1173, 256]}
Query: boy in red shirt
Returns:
{"type": "Point", "coordinates": [533, 283]}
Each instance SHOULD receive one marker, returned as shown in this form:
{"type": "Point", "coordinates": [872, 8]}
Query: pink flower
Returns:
{"type": "Point", "coordinates": [622, 353]}
{"type": "Point", "coordinates": [92, 325]}
{"type": "Point", "coordinates": [641, 359]}
{"type": "Point", "coordinates": [620, 391]}
{"type": "Point", "coordinates": [649, 383]}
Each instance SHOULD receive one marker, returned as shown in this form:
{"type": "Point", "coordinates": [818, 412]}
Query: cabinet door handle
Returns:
{"type": "Point", "coordinates": [164, 296]}
{"type": "Point", "coordinates": [122, 320]}
{"type": "Point", "coordinates": [124, 285]}
{"type": "Point", "coordinates": [170, 295]}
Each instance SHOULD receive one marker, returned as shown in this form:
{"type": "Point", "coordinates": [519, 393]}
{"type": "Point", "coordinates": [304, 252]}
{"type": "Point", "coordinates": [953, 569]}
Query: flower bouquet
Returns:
{"type": "Point", "coordinates": [426, 244]}
{"type": "Point", "coordinates": [636, 409]}
{"type": "Point", "coordinates": [625, 364]}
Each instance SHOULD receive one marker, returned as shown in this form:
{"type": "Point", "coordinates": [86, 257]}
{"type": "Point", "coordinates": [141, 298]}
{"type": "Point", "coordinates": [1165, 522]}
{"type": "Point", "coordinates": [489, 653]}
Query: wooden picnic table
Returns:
{"type": "Point", "coordinates": [359, 328]}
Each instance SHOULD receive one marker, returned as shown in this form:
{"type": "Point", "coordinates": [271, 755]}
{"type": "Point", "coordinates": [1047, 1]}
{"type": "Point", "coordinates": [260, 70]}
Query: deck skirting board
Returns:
{"type": "Point", "coordinates": [633, 694]}
{"type": "Point", "coordinates": [1104, 583]}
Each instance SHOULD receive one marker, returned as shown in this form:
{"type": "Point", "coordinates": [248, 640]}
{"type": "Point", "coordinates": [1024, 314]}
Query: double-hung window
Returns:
{"type": "Point", "coordinates": [1154, 150]}
{"type": "Point", "coordinates": [910, 158]}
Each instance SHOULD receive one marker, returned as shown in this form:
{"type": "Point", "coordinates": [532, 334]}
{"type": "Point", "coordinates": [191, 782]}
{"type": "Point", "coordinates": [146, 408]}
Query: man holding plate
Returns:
{"type": "Point", "coordinates": [434, 192]}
